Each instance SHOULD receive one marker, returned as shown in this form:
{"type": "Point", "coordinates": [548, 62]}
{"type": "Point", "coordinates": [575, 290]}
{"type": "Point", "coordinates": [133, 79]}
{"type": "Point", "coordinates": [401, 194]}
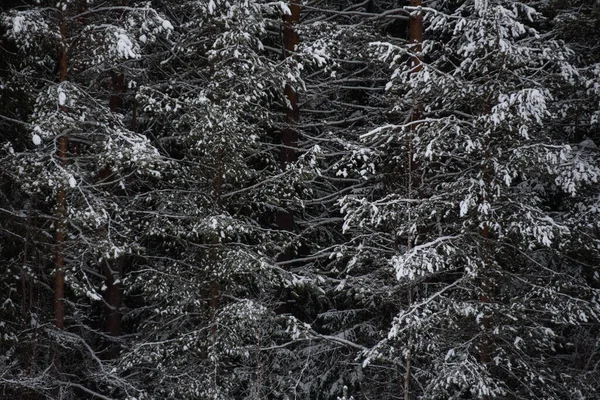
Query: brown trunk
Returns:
{"type": "Point", "coordinates": [416, 34]}
{"type": "Point", "coordinates": [416, 43]}
{"type": "Point", "coordinates": [61, 202]}
{"type": "Point", "coordinates": [114, 269]}
{"type": "Point", "coordinates": [114, 297]}
{"type": "Point", "coordinates": [416, 46]}
{"type": "Point", "coordinates": [289, 135]}
{"type": "Point", "coordinates": [284, 219]}
{"type": "Point", "coordinates": [114, 301]}
{"type": "Point", "coordinates": [118, 88]}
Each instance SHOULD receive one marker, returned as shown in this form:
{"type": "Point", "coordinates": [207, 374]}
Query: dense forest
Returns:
{"type": "Point", "coordinates": [326, 199]}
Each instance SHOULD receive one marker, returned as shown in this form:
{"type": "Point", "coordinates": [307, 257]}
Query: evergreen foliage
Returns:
{"type": "Point", "coordinates": [404, 204]}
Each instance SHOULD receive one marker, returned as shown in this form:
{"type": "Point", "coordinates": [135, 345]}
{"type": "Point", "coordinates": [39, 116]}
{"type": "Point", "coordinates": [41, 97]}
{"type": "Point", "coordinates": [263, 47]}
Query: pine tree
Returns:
{"type": "Point", "coordinates": [242, 200]}
{"type": "Point", "coordinates": [73, 137]}
{"type": "Point", "coordinates": [208, 324]}
{"type": "Point", "coordinates": [488, 259]}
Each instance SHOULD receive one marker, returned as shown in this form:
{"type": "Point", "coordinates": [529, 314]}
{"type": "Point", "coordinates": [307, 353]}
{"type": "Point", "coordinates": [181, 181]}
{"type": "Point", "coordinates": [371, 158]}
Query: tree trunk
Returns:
{"type": "Point", "coordinates": [416, 44]}
{"type": "Point", "coordinates": [416, 33]}
{"type": "Point", "coordinates": [114, 297]}
{"type": "Point", "coordinates": [114, 301]}
{"type": "Point", "coordinates": [114, 269]}
{"type": "Point", "coordinates": [289, 135]}
{"type": "Point", "coordinates": [61, 201]}
{"type": "Point", "coordinates": [118, 88]}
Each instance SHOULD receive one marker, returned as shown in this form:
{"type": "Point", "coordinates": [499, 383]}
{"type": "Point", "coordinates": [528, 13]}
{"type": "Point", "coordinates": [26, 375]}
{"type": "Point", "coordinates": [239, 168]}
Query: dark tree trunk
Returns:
{"type": "Point", "coordinates": [61, 202]}
{"type": "Point", "coordinates": [289, 135]}
{"type": "Point", "coordinates": [114, 269]}
{"type": "Point", "coordinates": [114, 302]}
{"type": "Point", "coordinates": [415, 32]}
{"type": "Point", "coordinates": [118, 89]}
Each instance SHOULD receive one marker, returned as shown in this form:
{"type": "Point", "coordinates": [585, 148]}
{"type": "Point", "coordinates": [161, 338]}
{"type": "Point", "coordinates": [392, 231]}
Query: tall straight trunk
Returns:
{"type": "Point", "coordinates": [61, 200]}
{"type": "Point", "coordinates": [114, 296]}
{"type": "Point", "coordinates": [284, 219]}
{"type": "Point", "coordinates": [289, 135]}
{"type": "Point", "coordinates": [113, 270]}
{"type": "Point", "coordinates": [118, 89]}
{"type": "Point", "coordinates": [114, 302]}
{"type": "Point", "coordinates": [416, 46]}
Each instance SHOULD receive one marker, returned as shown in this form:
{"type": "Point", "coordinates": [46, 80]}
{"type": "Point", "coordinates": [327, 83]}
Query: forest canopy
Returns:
{"type": "Point", "coordinates": [371, 199]}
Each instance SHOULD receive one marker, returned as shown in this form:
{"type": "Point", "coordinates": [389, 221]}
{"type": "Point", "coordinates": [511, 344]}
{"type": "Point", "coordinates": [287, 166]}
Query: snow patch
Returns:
{"type": "Point", "coordinates": [62, 98]}
{"type": "Point", "coordinates": [125, 47]}
{"type": "Point", "coordinates": [18, 23]}
{"type": "Point", "coordinates": [284, 7]}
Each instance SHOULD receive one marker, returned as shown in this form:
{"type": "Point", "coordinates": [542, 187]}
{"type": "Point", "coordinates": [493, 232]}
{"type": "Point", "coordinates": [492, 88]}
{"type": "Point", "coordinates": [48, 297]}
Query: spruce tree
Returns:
{"type": "Point", "coordinates": [494, 296]}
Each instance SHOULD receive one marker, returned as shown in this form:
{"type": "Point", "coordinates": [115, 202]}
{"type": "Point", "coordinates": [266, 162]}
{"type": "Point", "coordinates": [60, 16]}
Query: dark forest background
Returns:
{"type": "Point", "coordinates": [370, 199]}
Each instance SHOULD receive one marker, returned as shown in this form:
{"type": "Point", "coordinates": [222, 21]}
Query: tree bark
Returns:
{"type": "Point", "coordinates": [416, 34]}
{"type": "Point", "coordinates": [61, 200]}
{"type": "Point", "coordinates": [118, 88]}
{"type": "Point", "coordinates": [113, 270]}
{"type": "Point", "coordinates": [289, 135]}
{"type": "Point", "coordinates": [114, 301]}
{"type": "Point", "coordinates": [114, 276]}
{"type": "Point", "coordinates": [114, 298]}
{"type": "Point", "coordinates": [416, 45]}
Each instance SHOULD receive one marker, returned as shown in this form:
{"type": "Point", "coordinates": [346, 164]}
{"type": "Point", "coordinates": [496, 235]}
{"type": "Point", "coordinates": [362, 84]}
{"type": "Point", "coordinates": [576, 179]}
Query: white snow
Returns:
{"type": "Point", "coordinates": [62, 98]}
{"type": "Point", "coordinates": [37, 140]}
{"type": "Point", "coordinates": [125, 47]}
{"type": "Point", "coordinates": [18, 23]}
{"type": "Point", "coordinates": [284, 7]}
{"type": "Point", "coordinates": [464, 207]}
{"type": "Point", "coordinates": [93, 295]}
{"type": "Point", "coordinates": [72, 182]}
